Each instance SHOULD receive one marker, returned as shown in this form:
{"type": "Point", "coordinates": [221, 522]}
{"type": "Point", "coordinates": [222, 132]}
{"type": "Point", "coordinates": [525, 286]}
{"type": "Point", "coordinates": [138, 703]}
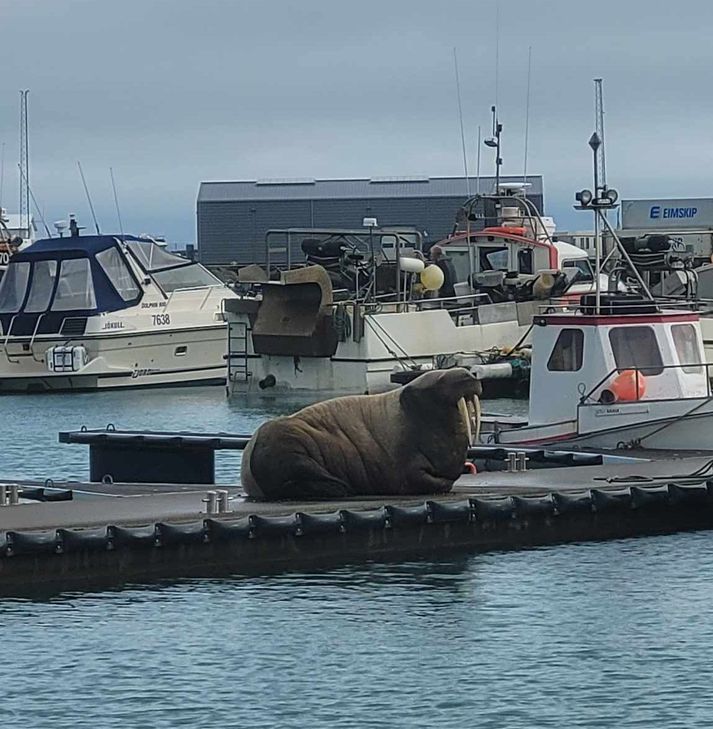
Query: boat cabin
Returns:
{"type": "Point", "coordinates": [627, 355]}
{"type": "Point", "coordinates": [57, 283]}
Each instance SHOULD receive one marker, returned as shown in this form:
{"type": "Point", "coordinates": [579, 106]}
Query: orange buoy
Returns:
{"type": "Point", "coordinates": [627, 386]}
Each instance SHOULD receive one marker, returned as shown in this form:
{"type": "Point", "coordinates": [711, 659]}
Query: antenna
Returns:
{"type": "Point", "coordinates": [599, 126]}
{"type": "Point", "coordinates": [24, 162]}
{"type": "Point", "coordinates": [477, 165]}
{"type": "Point", "coordinates": [2, 170]}
{"type": "Point", "coordinates": [116, 202]}
{"type": "Point", "coordinates": [462, 132]}
{"type": "Point", "coordinates": [497, 49]}
{"type": "Point", "coordinates": [527, 115]}
{"type": "Point", "coordinates": [89, 199]}
{"type": "Point", "coordinates": [37, 207]}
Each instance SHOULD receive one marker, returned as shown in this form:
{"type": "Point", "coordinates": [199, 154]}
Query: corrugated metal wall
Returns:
{"type": "Point", "coordinates": [234, 230]}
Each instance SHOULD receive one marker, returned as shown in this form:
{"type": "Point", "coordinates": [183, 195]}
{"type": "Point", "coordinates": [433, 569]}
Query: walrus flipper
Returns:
{"type": "Point", "coordinates": [313, 489]}
{"type": "Point", "coordinates": [304, 479]}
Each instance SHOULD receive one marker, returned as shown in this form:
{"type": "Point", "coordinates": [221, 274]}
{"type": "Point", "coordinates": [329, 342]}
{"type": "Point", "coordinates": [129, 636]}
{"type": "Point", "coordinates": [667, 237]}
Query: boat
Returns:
{"type": "Point", "coordinates": [631, 375]}
{"type": "Point", "coordinates": [359, 311]}
{"type": "Point", "coordinates": [89, 312]}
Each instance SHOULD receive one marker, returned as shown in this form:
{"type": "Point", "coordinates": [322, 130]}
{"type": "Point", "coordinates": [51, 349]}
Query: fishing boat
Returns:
{"type": "Point", "coordinates": [106, 311]}
{"type": "Point", "coordinates": [368, 307]}
{"type": "Point", "coordinates": [631, 375]}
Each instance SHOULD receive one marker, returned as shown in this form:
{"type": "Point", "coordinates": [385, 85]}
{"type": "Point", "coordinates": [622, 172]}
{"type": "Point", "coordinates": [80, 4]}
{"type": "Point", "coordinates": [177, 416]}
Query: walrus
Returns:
{"type": "Point", "coordinates": [407, 441]}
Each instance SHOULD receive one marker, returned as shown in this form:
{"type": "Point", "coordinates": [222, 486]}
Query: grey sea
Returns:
{"type": "Point", "coordinates": [616, 634]}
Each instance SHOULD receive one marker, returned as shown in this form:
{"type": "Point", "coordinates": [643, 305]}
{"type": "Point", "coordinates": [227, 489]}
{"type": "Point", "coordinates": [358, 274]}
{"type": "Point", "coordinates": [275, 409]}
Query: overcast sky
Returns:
{"type": "Point", "coordinates": [173, 92]}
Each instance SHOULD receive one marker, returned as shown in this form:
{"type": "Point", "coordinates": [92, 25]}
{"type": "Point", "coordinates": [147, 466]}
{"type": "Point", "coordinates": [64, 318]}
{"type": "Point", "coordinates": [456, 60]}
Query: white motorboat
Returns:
{"type": "Point", "coordinates": [362, 316]}
{"type": "Point", "coordinates": [104, 311]}
{"type": "Point", "coordinates": [632, 375]}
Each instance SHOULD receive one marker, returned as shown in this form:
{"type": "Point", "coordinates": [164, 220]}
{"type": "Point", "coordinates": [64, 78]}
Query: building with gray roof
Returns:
{"type": "Point", "coordinates": [233, 217]}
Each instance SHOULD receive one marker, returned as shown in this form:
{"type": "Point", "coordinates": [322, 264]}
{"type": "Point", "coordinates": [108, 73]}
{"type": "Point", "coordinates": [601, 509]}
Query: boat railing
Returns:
{"type": "Point", "coordinates": [7, 341]}
{"type": "Point", "coordinates": [644, 371]}
{"type": "Point", "coordinates": [454, 304]}
{"type": "Point", "coordinates": [34, 334]}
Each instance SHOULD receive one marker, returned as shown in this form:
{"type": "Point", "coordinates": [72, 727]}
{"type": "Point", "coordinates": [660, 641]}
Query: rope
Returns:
{"type": "Point", "coordinates": [637, 442]}
{"type": "Point", "coordinates": [700, 474]}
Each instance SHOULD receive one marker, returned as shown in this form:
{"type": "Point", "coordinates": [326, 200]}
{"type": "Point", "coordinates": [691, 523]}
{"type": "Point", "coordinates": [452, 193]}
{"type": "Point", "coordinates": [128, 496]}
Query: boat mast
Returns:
{"type": "Point", "coordinates": [24, 164]}
{"type": "Point", "coordinates": [460, 117]}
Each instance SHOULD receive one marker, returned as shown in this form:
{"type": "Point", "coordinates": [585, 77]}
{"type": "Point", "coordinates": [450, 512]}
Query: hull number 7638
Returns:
{"type": "Point", "coordinates": [161, 320]}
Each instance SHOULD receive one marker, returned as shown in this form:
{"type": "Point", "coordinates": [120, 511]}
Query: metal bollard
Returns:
{"type": "Point", "coordinates": [4, 495]}
{"type": "Point", "coordinates": [522, 460]}
{"type": "Point", "coordinates": [512, 462]}
{"type": "Point", "coordinates": [14, 495]}
{"type": "Point", "coordinates": [223, 505]}
{"type": "Point", "coordinates": [211, 502]}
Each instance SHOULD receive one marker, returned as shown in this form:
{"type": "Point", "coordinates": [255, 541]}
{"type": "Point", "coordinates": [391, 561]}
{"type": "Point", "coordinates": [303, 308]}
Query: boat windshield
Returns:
{"type": "Point", "coordinates": [580, 266]}
{"type": "Point", "coordinates": [13, 287]}
{"type": "Point", "coordinates": [189, 276]}
{"type": "Point", "coordinates": [153, 257]}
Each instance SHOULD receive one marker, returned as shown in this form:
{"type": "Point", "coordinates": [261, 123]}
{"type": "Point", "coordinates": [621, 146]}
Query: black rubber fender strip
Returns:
{"type": "Point", "coordinates": [611, 500]}
{"type": "Point", "coordinates": [528, 506]}
{"type": "Point", "coordinates": [411, 515]}
{"type": "Point", "coordinates": [449, 511]}
{"type": "Point", "coordinates": [310, 524]}
{"type": "Point", "coordinates": [193, 532]}
{"type": "Point", "coordinates": [493, 509]}
{"type": "Point", "coordinates": [693, 495]}
{"type": "Point", "coordinates": [64, 495]}
{"type": "Point", "coordinates": [80, 540]}
{"type": "Point", "coordinates": [219, 530]}
{"type": "Point", "coordinates": [655, 497]}
{"type": "Point", "coordinates": [42, 494]}
{"type": "Point", "coordinates": [33, 494]}
{"type": "Point", "coordinates": [274, 526]}
{"type": "Point", "coordinates": [355, 521]}
{"type": "Point", "coordinates": [141, 536]}
{"type": "Point", "coordinates": [36, 542]}
{"type": "Point", "coordinates": [572, 503]}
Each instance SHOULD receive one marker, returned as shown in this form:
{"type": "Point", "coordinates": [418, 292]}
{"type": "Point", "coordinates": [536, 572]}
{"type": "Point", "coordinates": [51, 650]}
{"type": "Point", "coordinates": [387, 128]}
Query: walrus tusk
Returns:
{"type": "Point", "coordinates": [474, 418]}
{"type": "Point", "coordinates": [477, 418]}
{"type": "Point", "coordinates": [465, 415]}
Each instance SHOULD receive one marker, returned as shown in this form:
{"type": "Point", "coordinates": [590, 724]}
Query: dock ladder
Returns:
{"type": "Point", "coordinates": [238, 370]}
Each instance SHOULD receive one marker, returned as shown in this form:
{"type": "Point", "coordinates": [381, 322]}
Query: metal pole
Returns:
{"type": "Point", "coordinates": [597, 240]}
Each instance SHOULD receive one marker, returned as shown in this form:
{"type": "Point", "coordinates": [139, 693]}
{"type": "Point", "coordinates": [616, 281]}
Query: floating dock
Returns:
{"type": "Point", "coordinates": [113, 532]}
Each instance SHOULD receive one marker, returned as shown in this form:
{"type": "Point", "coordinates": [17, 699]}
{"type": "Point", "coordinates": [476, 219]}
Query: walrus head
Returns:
{"type": "Point", "coordinates": [436, 394]}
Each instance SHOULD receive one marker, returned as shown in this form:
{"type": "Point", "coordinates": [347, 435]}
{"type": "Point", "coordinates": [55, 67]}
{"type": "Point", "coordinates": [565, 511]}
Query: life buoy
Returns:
{"type": "Point", "coordinates": [505, 229]}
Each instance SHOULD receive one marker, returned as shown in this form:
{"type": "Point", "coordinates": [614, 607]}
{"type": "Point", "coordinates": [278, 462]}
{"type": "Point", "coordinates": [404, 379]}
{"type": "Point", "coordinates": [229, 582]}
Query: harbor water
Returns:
{"type": "Point", "coordinates": [610, 634]}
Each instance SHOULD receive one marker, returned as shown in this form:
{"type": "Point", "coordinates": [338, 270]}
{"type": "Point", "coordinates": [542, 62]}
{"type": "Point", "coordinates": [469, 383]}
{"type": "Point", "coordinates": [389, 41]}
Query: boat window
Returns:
{"type": "Point", "coordinates": [636, 348]}
{"type": "Point", "coordinates": [13, 287]}
{"type": "Point", "coordinates": [524, 260]}
{"type": "Point", "coordinates": [43, 276]}
{"type": "Point", "coordinates": [461, 263]}
{"type": "Point", "coordinates": [153, 257]}
{"type": "Point", "coordinates": [75, 289]}
{"type": "Point", "coordinates": [581, 266]}
{"type": "Point", "coordinates": [186, 277]}
{"type": "Point", "coordinates": [686, 341]}
{"type": "Point", "coordinates": [493, 259]}
{"type": "Point", "coordinates": [117, 272]}
{"type": "Point", "coordinates": [567, 353]}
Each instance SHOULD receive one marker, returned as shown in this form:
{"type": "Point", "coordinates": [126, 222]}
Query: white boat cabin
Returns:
{"type": "Point", "coordinates": [578, 356]}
